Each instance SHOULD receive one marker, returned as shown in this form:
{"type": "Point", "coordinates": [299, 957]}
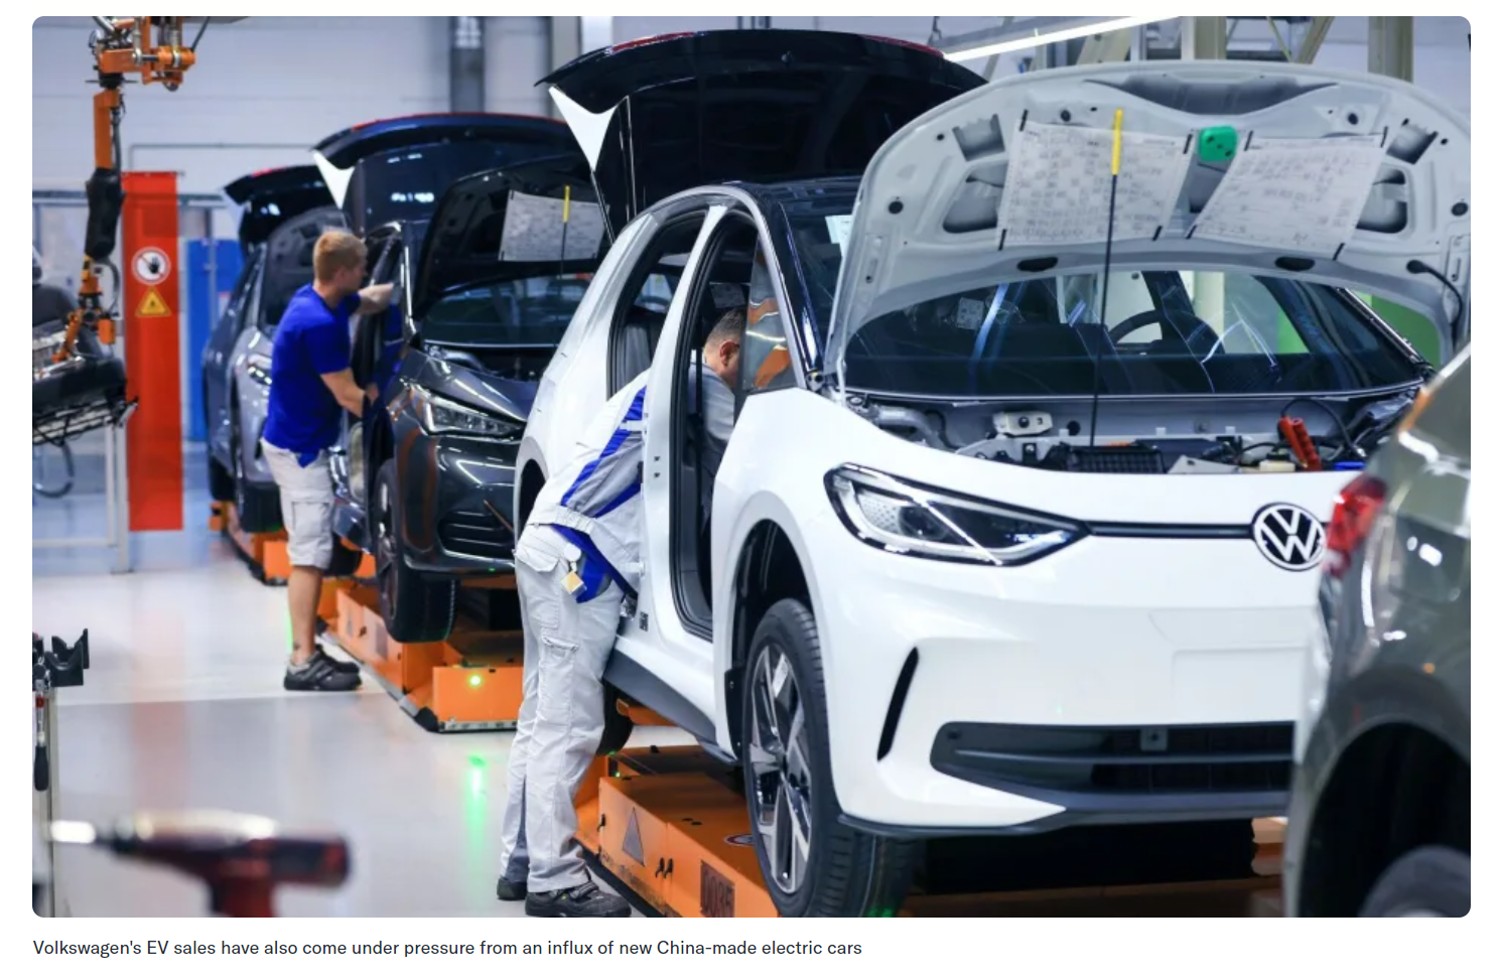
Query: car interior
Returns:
{"type": "Point", "coordinates": [289, 262]}
{"type": "Point", "coordinates": [1041, 337]}
{"type": "Point", "coordinates": [697, 453]}
{"type": "Point", "coordinates": [638, 324]}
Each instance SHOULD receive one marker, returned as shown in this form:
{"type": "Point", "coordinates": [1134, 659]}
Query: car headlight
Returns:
{"type": "Point", "coordinates": [905, 518]}
{"type": "Point", "coordinates": [258, 367]}
{"type": "Point", "coordinates": [438, 414]}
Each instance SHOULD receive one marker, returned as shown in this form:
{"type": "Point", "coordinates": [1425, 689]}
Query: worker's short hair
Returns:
{"type": "Point", "coordinates": [731, 326]}
{"type": "Point", "coordinates": [335, 251]}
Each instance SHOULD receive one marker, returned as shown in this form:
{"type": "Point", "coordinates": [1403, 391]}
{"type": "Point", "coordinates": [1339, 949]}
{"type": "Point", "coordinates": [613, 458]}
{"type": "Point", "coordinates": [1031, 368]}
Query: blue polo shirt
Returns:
{"type": "Point", "coordinates": [312, 340]}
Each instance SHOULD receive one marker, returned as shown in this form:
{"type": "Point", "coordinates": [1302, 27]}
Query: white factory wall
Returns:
{"type": "Point", "coordinates": [266, 89]}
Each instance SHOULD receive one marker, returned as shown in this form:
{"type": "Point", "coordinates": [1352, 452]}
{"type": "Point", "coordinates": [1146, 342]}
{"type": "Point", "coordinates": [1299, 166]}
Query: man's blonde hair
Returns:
{"type": "Point", "coordinates": [335, 251]}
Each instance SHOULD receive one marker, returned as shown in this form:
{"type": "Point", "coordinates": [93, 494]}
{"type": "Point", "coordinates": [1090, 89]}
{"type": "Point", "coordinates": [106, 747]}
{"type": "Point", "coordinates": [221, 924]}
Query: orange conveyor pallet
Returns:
{"type": "Point", "coordinates": [671, 826]}
{"type": "Point", "coordinates": [264, 553]}
{"type": "Point", "coordinates": [470, 682]}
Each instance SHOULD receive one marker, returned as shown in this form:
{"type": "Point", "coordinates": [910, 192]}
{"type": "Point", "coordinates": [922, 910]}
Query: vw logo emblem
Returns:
{"type": "Point", "coordinates": [1289, 536]}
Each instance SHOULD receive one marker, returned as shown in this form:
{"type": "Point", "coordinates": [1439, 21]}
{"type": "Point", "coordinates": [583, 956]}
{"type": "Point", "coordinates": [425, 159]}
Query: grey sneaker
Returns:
{"type": "Point", "coordinates": [583, 901]}
{"type": "Point", "coordinates": [343, 666]}
{"type": "Point", "coordinates": [319, 675]}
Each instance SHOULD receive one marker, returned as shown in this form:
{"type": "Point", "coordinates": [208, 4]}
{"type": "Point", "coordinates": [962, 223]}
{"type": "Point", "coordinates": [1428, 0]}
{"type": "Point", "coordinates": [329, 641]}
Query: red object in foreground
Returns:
{"type": "Point", "coordinates": [242, 860]}
{"type": "Point", "coordinates": [150, 304]}
{"type": "Point", "coordinates": [1354, 514]}
{"type": "Point", "coordinates": [1294, 431]}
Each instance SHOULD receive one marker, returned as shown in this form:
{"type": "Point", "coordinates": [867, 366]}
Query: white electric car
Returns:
{"type": "Point", "coordinates": [990, 551]}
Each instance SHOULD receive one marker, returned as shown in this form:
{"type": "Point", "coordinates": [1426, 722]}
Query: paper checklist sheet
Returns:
{"type": "Point", "coordinates": [1057, 185]}
{"type": "Point", "coordinates": [1294, 195]}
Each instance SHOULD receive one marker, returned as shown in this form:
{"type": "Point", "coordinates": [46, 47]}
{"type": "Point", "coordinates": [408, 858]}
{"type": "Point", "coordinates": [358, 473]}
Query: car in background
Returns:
{"type": "Point", "coordinates": [283, 211]}
{"type": "Point", "coordinates": [984, 555]}
{"type": "Point", "coordinates": [488, 273]}
{"type": "Point", "coordinates": [1379, 823]}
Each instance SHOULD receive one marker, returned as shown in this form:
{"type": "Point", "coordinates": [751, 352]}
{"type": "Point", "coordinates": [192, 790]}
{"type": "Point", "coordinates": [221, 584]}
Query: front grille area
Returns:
{"type": "Point", "coordinates": [476, 532]}
{"type": "Point", "coordinates": [1182, 759]}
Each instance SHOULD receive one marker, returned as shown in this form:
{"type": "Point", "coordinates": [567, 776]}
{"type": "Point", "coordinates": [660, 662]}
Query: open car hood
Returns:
{"type": "Point", "coordinates": [396, 169]}
{"type": "Point", "coordinates": [942, 208]}
{"type": "Point", "coordinates": [664, 114]}
{"type": "Point", "coordinates": [537, 219]}
{"type": "Point", "coordinates": [270, 197]}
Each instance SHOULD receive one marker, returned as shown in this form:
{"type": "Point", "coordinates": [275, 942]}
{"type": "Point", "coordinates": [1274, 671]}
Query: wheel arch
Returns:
{"type": "Point", "coordinates": [769, 568]}
{"type": "Point", "coordinates": [1396, 787]}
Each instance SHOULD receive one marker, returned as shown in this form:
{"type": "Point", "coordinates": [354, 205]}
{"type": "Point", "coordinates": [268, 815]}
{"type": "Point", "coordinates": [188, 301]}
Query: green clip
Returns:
{"type": "Point", "coordinates": [1217, 144]}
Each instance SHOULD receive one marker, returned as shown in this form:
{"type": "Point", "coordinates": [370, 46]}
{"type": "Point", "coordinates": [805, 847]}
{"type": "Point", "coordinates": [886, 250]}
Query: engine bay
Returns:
{"type": "Point", "coordinates": [1151, 436]}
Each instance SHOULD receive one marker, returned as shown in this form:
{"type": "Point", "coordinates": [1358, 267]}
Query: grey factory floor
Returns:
{"type": "Point", "coordinates": [183, 709]}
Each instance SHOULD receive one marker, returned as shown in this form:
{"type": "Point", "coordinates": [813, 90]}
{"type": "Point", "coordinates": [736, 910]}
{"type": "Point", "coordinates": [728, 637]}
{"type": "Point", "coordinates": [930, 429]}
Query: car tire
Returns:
{"type": "Point", "coordinates": [1430, 881]}
{"type": "Point", "coordinates": [258, 510]}
{"type": "Point", "coordinates": [617, 725]}
{"type": "Point", "coordinates": [220, 481]}
{"type": "Point", "coordinates": [345, 561]}
{"type": "Point", "coordinates": [415, 607]}
{"type": "Point", "coordinates": [845, 872]}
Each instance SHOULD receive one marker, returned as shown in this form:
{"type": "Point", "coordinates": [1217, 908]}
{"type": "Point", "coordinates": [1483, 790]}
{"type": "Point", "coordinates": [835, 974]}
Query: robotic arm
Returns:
{"type": "Point", "coordinates": [152, 49]}
{"type": "Point", "coordinates": [75, 390]}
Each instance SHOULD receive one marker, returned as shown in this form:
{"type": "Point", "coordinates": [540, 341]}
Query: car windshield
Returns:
{"type": "Point", "coordinates": [530, 312]}
{"type": "Point", "coordinates": [1162, 333]}
{"type": "Point", "coordinates": [1170, 333]}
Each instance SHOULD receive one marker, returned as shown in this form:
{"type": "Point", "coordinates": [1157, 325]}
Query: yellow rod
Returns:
{"type": "Point", "coordinates": [1114, 163]}
{"type": "Point", "coordinates": [568, 193]}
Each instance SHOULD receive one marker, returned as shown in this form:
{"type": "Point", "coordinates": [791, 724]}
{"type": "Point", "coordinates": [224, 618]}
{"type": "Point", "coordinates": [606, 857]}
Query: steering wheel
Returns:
{"type": "Point", "coordinates": [1131, 324]}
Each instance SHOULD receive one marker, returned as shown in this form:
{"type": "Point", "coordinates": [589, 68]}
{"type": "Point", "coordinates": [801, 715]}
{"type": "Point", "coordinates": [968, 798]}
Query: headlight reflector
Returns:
{"type": "Point", "coordinates": [900, 517]}
{"type": "Point", "coordinates": [439, 414]}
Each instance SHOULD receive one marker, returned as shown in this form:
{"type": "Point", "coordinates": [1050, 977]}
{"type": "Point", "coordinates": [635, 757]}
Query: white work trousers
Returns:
{"type": "Point", "coordinates": [562, 713]}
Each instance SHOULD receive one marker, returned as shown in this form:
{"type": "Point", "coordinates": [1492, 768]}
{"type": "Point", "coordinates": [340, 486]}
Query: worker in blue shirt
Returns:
{"type": "Point", "coordinates": [311, 386]}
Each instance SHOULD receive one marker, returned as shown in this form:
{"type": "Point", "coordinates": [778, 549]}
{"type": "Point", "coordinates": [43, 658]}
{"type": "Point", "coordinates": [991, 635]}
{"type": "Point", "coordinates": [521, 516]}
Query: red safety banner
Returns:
{"type": "Point", "coordinates": [151, 305]}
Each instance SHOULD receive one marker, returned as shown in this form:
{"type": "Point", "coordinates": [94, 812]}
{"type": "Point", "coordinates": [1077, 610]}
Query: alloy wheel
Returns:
{"type": "Point", "coordinates": [385, 545]}
{"type": "Point", "coordinates": [236, 454]}
{"type": "Point", "coordinates": [781, 773]}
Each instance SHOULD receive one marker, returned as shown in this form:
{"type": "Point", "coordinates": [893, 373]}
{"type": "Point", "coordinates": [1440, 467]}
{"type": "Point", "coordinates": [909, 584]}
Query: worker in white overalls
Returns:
{"type": "Point", "coordinates": [576, 561]}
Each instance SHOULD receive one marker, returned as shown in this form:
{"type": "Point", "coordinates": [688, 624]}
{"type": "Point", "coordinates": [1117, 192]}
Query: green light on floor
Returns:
{"type": "Point", "coordinates": [475, 680]}
{"type": "Point", "coordinates": [477, 761]}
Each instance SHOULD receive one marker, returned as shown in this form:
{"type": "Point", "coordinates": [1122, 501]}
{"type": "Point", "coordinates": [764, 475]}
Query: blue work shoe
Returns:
{"type": "Point", "coordinates": [583, 901]}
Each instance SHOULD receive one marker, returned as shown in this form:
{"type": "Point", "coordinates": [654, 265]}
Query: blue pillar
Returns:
{"type": "Point", "coordinates": [208, 292]}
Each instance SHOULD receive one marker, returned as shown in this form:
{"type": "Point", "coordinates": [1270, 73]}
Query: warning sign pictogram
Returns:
{"type": "Point", "coordinates": [153, 305]}
{"type": "Point", "coordinates": [631, 845]}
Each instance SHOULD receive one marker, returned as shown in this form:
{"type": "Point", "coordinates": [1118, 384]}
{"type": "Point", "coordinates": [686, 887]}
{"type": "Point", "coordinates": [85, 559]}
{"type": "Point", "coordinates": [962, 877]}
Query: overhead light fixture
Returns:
{"type": "Point", "coordinates": [1026, 42]}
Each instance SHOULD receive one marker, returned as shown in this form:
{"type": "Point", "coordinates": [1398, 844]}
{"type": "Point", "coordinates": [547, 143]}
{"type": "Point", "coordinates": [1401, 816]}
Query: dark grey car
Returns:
{"type": "Point", "coordinates": [1379, 823]}
{"type": "Point", "coordinates": [284, 211]}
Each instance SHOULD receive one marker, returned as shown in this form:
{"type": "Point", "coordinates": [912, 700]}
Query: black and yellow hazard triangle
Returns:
{"type": "Point", "coordinates": [153, 305]}
{"type": "Point", "coordinates": [631, 845]}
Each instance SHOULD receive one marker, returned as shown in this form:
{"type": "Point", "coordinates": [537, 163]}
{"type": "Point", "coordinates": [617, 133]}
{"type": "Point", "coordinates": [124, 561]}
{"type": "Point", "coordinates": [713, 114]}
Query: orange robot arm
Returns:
{"type": "Point", "coordinates": [150, 49]}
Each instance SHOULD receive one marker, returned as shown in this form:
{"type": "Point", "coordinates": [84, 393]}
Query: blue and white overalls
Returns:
{"type": "Point", "coordinates": [576, 560]}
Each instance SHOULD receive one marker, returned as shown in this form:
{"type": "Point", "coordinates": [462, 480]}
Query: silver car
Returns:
{"type": "Point", "coordinates": [1379, 823]}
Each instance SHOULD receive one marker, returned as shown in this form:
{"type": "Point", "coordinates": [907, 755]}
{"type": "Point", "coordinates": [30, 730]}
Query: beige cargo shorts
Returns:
{"type": "Point", "coordinates": [306, 505]}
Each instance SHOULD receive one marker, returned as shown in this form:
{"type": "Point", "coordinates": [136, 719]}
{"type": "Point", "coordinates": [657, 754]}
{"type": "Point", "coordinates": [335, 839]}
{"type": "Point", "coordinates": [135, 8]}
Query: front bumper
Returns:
{"type": "Point", "coordinates": [1116, 681]}
{"type": "Point", "coordinates": [456, 493]}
